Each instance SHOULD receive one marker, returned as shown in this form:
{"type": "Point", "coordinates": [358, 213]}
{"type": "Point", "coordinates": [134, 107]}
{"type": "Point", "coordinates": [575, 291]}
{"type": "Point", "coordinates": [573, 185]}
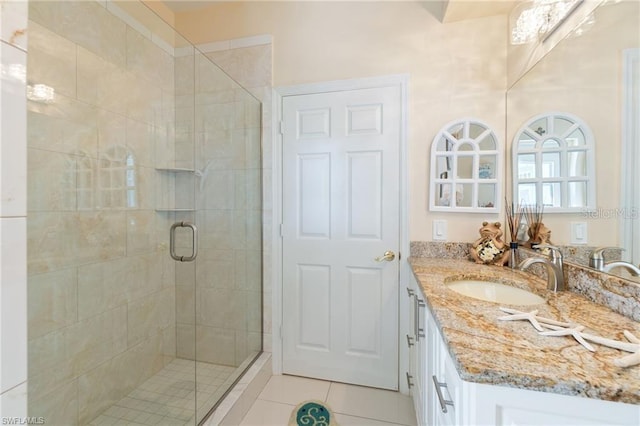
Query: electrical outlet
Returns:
{"type": "Point", "coordinates": [439, 230]}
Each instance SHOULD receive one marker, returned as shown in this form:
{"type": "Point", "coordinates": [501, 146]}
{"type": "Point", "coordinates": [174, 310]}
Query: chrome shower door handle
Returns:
{"type": "Point", "coordinates": [194, 241]}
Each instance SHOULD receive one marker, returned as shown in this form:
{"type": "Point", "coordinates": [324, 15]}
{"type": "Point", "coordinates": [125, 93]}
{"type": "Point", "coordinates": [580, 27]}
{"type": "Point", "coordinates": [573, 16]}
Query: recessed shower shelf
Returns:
{"type": "Point", "coordinates": [175, 210]}
{"type": "Point", "coordinates": [175, 170]}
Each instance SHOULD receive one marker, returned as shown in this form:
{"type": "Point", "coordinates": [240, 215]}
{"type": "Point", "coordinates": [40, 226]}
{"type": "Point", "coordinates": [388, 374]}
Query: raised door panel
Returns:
{"type": "Point", "coordinates": [314, 302]}
{"type": "Point", "coordinates": [314, 199]}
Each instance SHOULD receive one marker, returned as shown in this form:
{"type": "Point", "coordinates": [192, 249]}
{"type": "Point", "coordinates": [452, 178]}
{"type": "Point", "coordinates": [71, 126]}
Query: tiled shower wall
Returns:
{"type": "Point", "coordinates": [101, 294]}
{"type": "Point", "coordinates": [218, 134]}
{"type": "Point", "coordinates": [249, 61]}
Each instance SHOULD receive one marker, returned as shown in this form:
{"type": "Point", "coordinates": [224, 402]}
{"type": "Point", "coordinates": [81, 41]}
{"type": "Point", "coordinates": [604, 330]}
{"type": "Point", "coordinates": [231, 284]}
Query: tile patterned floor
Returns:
{"type": "Point", "coordinates": [352, 405]}
{"type": "Point", "coordinates": [167, 398]}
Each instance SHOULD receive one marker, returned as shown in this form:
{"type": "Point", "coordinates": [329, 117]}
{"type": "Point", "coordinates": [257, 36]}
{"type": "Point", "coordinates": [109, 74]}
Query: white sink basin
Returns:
{"type": "Point", "coordinates": [495, 292]}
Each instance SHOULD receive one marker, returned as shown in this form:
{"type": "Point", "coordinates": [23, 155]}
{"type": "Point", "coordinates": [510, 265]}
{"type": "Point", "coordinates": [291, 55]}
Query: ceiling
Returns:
{"type": "Point", "coordinates": [444, 10]}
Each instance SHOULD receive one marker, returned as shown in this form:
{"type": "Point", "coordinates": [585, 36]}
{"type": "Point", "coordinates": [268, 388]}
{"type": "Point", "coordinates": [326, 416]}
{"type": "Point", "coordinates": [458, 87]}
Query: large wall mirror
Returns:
{"type": "Point", "coordinates": [593, 74]}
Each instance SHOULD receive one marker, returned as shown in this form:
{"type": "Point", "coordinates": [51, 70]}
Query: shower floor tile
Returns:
{"type": "Point", "coordinates": [167, 398]}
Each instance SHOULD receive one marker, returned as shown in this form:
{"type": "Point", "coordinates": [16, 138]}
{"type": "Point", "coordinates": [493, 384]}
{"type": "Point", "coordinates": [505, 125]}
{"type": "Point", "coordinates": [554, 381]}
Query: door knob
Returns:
{"type": "Point", "coordinates": [388, 256]}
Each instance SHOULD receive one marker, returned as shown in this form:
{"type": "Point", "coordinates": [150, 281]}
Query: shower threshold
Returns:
{"type": "Point", "coordinates": [168, 397]}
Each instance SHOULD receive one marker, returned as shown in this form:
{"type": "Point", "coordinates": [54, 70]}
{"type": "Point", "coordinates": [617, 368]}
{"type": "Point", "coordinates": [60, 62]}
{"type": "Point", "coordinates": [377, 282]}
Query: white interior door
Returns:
{"type": "Point", "coordinates": [340, 212]}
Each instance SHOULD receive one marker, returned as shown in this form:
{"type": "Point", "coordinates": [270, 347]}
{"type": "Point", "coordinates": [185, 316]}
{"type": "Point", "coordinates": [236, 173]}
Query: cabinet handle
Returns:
{"type": "Point", "coordinates": [409, 377]}
{"type": "Point", "coordinates": [419, 332]}
{"type": "Point", "coordinates": [409, 341]}
{"type": "Point", "coordinates": [443, 402]}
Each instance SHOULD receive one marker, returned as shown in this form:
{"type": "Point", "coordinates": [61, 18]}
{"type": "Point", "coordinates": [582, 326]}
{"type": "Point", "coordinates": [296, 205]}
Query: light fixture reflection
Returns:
{"type": "Point", "coordinates": [41, 93]}
{"type": "Point", "coordinates": [533, 19]}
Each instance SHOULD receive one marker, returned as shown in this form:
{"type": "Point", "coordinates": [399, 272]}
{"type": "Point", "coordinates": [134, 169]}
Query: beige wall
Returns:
{"type": "Point", "coordinates": [456, 70]}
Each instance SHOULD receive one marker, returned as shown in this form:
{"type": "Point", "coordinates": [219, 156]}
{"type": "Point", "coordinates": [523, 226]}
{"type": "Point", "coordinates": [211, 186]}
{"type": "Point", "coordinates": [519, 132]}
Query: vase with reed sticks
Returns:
{"type": "Point", "coordinates": [514, 219]}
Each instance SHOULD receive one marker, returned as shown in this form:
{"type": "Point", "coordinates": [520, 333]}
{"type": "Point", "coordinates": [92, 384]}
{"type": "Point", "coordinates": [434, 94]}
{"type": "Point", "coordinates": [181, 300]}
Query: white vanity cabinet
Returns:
{"type": "Point", "coordinates": [418, 345]}
{"type": "Point", "coordinates": [465, 403]}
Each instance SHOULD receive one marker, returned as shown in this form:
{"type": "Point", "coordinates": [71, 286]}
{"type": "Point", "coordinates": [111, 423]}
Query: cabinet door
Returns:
{"type": "Point", "coordinates": [421, 357]}
{"type": "Point", "coordinates": [444, 387]}
{"type": "Point", "coordinates": [502, 406]}
{"type": "Point", "coordinates": [416, 352]}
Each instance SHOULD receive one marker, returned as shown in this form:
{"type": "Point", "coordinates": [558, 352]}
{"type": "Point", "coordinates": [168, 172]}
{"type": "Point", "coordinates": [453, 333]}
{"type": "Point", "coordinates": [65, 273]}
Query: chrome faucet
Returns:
{"type": "Point", "coordinates": [633, 269]}
{"type": "Point", "coordinates": [597, 261]}
{"type": "Point", "coordinates": [554, 265]}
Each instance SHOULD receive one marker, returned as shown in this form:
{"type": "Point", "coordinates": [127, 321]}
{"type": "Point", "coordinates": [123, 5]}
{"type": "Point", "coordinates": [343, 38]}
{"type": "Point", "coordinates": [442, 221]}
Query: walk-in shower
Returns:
{"type": "Point", "coordinates": [139, 147]}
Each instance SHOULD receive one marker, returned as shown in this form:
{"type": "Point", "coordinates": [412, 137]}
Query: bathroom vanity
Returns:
{"type": "Point", "coordinates": [468, 367]}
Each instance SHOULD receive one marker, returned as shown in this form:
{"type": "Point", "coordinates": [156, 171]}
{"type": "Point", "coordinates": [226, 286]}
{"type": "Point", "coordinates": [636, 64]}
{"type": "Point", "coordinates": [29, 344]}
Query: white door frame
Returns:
{"type": "Point", "coordinates": [401, 80]}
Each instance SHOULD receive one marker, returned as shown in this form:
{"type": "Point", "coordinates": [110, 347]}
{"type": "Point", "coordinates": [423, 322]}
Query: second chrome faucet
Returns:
{"type": "Point", "coordinates": [597, 261]}
{"type": "Point", "coordinates": [554, 265]}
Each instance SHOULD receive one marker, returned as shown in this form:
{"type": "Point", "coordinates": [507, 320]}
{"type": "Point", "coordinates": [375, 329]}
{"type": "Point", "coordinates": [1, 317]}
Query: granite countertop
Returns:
{"type": "Point", "coordinates": [512, 353]}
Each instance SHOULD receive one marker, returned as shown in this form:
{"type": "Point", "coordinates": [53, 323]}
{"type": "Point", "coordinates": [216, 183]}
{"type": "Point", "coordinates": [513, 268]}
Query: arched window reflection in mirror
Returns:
{"type": "Point", "coordinates": [466, 163]}
{"type": "Point", "coordinates": [554, 164]}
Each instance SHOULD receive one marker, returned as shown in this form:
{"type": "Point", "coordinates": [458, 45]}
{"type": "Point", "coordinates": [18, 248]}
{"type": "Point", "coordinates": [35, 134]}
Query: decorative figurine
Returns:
{"type": "Point", "coordinates": [538, 234]}
{"type": "Point", "coordinates": [490, 248]}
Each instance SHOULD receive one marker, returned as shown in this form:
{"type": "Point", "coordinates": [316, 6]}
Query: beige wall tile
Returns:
{"type": "Point", "coordinates": [215, 345]}
{"type": "Point", "coordinates": [149, 316]}
{"type": "Point", "coordinates": [250, 66]}
{"type": "Point", "coordinates": [58, 407]}
{"type": "Point", "coordinates": [140, 142]}
{"type": "Point", "coordinates": [52, 181]}
{"type": "Point", "coordinates": [215, 268]}
{"type": "Point", "coordinates": [209, 77]}
{"type": "Point", "coordinates": [96, 78]}
{"type": "Point", "coordinates": [87, 24]}
{"type": "Point", "coordinates": [169, 343]}
{"type": "Point", "coordinates": [52, 301]}
{"type": "Point", "coordinates": [142, 194]}
{"type": "Point", "coordinates": [186, 341]}
{"type": "Point", "coordinates": [186, 304]}
{"type": "Point", "coordinates": [49, 130]}
{"type": "Point", "coordinates": [51, 60]}
{"type": "Point", "coordinates": [50, 245]}
{"type": "Point", "coordinates": [93, 341]}
{"type": "Point", "coordinates": [148, 60]}
{"type": "Point", "coordinates": [219, 189]}
{"type": "Point", "coordinates": [253, 310]}
{"type": "Point", "coordinates": [144, 100]}
{"type": "Point", "coordinates": [105, 385]}
{"type": "Point", "coordinates": [99, 289]}
{"type": "Point", "coordinates": [222, 308]}
{"type": "Point", "coordinates": [141, 236]}
{"type": "Point", "coordinates": [183, 76]}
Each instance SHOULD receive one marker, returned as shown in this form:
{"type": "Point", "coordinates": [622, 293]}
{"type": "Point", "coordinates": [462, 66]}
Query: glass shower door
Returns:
{"type": "Point", "coordinates": [142, 133]}
{"type": "Point", "coordinates": [228, 269]}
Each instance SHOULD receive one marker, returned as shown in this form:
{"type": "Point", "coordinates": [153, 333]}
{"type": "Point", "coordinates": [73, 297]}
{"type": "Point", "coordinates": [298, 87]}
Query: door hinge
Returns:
{"type": "Point", "coordinates": [281, 230]}
{"type": "Point", "coordinates": [281, 127]}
